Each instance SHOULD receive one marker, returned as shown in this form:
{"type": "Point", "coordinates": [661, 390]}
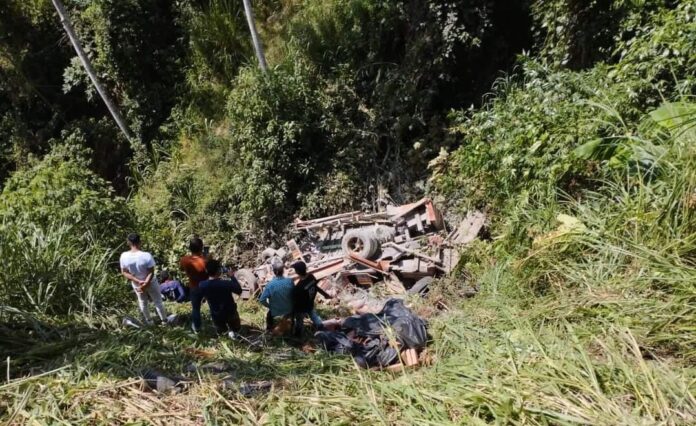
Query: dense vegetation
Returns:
{"type": "Point", "coordinates": [571, 123]}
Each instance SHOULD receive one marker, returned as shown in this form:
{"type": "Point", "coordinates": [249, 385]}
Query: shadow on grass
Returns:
{"type": "Point", "coordinates": [105, 346]}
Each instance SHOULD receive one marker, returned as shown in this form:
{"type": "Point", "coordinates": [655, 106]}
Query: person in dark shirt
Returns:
{"type": "Point", "coordinates": [218, 293]}
{"type": "Point", "coordinates": [171, 289]}
{"type": "Point", "coordinates": [303, 296]}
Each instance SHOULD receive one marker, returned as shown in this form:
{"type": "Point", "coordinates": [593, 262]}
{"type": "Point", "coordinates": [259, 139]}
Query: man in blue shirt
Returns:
{"type": "Point", "coordinates": [172, 289]}
{"type": "Point", "coordinates": [277, 296]}
{"type": "Point", "coordinates": [218, 293]}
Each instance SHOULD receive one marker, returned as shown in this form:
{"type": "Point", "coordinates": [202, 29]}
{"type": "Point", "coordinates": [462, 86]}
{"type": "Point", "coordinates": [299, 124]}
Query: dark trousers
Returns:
{"type": "Point", "coordinates": [269, 321]}
{"type": "Point", "coordinates": [298, 321]}
{"type": "Point", "coordinates": [227, 320]}
{"type": "Point", "coordinates": [196, 300]}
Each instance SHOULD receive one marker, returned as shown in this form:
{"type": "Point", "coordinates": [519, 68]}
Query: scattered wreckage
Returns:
{"type": "Point", "coordinates": [405, 246]}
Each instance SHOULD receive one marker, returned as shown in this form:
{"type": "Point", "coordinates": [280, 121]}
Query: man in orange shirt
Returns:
{"type": "Point", "coordinates": [193, 266]}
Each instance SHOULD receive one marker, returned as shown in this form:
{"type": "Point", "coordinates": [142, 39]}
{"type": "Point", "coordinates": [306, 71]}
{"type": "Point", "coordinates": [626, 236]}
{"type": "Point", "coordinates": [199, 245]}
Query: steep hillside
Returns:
{"type": "Point", "coordinates": [571, 124]}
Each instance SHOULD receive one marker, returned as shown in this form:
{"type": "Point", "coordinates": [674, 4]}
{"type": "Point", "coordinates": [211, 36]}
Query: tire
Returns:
{"type": "Point", "coordinates": [267, 254]}
{"type": "Point", "coordinates": [359, 242]}
{"type": "Point", "coordinates": [248, 282]}
{"type": "Point", "coordinates": [421, 286]}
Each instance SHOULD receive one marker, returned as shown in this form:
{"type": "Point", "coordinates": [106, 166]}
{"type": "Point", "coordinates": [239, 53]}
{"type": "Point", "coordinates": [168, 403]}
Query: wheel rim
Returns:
{"type": "Point", "coordinates": [355, 245]}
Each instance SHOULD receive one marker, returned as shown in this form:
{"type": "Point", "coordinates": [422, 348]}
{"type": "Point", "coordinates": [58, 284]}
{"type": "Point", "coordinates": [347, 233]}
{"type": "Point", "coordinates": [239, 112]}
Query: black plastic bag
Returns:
{"type": "Point", "coordinates": [410, 329]}
{"type": "Point", "coordinates": [335, 341]}
{"type": "Point", "coordinates": [375, 353]}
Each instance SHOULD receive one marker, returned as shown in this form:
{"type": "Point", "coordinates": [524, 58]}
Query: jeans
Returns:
{"type": "Point", "coordinates": [196, 300]}
{"type": "Point", "coordinates": [299, 321]}
{"type": "Point", "coordinates": [151, 293]}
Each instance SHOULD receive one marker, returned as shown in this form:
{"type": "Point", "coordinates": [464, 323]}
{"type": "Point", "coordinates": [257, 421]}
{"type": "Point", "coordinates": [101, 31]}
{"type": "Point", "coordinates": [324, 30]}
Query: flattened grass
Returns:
{"type": "Point", "coordinates": [495, 362]}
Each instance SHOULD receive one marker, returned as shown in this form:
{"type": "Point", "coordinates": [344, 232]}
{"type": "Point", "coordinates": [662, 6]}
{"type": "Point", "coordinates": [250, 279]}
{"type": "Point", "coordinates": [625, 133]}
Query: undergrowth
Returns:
{"type": "Point", "coordinates": [587, 299]}
{"type": "Point", "coordinates": [504, 356]}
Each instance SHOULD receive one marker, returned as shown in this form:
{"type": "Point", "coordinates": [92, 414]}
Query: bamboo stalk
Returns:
{"type": "Point", "coordinates": [258, 48]}
{"type": "Point", "coordinates": [87, 64]}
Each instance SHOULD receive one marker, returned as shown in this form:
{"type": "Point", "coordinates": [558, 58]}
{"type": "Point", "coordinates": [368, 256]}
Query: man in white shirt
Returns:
{"type": "Point", "coordinates": [139, 268]}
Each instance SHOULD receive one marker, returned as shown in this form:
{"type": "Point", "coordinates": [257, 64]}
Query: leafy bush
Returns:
{"type": "Point", "coordinates": [555, 129]}
{"type": "Point", "coordinates": [137, 48]}
{"type": "Point", "coordinates": [285, 135]}
{"type": "Point", "coordinates": [62, 188]}
{"type": "Point", "coordinates": [634, 236]}
{"type": "Point", "coordinates": [577, 34]}
{"type": "Point", "coordinates": [408, 62]}
{"type": "Point", "coordinates": [593, 195]}
{"type": "Point", "coordinates": [61, 225]}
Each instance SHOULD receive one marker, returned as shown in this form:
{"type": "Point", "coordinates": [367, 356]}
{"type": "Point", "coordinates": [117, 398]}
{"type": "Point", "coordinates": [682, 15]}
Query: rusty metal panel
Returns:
{"type": "Point", "coordinates": [294, 249]}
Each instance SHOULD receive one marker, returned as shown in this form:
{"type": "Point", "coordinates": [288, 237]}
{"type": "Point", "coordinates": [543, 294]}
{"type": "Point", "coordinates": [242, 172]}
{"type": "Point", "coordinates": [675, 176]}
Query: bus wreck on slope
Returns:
{"type": "Point", "coordinates": [405, 246]}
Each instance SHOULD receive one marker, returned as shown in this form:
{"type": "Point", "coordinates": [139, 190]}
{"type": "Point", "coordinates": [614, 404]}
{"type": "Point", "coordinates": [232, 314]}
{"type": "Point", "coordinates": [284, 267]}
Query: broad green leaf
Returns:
{"type": "Point", "coordinates": [675, 114]}
{"type": "Point", "coordinates": [587, 150]}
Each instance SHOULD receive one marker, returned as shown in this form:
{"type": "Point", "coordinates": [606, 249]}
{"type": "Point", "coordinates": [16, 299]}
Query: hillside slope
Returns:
{"type": "Point", "coordinates": [583, 156]}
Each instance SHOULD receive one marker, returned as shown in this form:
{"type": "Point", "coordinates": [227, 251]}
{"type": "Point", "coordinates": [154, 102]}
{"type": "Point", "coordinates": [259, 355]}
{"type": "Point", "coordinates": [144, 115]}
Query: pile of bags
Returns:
{"type": "Point", "coordinates": [376, 340]}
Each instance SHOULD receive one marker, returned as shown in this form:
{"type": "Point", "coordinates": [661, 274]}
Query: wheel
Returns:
{"type": "Point", "coordinates": [361, 243]}
{"type": "Point", "coordinates": [267, 254]}
{"type": "Point", "coordinates": [248, 282]}
{"type": "Point", "coordinates": [421, 286]}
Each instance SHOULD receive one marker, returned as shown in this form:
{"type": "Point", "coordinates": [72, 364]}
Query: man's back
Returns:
{"type": "Point", "coordinates": [173, 290]}
{"type": "Point", "coordinates": [304, 293]}
{"type": "Point", "coordinates": [138, 263]}
{"type": "Point", "coordinates": [194, 267]}
{"type": "Point", "coordinates": [279, 290]}
{"type": "Point", "coordinates": [218, 292]}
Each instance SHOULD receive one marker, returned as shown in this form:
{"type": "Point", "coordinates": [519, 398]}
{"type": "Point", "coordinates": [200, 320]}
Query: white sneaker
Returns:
{"type": "Point", "coordinates": [232, 335]}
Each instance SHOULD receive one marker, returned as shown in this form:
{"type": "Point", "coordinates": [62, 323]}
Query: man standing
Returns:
{"type": "Point", "coordinates": [277, 295]}
{"type": "Point", "coordinates": [193, 266]}
{"type": "Point", "coordinates": [218, 293]}
{"type": "Point", "coordinates": [303, 296]}
{"type": "Point", "coordinates": [139, 268]}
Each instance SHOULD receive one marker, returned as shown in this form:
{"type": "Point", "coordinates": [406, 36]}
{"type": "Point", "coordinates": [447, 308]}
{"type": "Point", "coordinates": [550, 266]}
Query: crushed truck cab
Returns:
{"type": "Point", "coordinates": [404, 246]}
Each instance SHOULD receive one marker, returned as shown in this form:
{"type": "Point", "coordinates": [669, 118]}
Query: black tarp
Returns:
{"type": "Point", "coordinates": [365, 336]}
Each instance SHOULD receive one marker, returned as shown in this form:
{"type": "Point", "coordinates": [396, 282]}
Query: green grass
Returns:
{"type": "Point", "coordinates": [589, 320]}
{"type": "Point", "coordinates": [494, 361]}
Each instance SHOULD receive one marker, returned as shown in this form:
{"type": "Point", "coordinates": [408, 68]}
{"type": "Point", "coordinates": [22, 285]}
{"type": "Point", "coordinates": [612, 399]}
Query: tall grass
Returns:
{"type": "Point", "coordinates": [593, 323]}
{"type": "Point", "coordinates": [493, 362]}
{"type": "Point", "coordinates": [55, 269]}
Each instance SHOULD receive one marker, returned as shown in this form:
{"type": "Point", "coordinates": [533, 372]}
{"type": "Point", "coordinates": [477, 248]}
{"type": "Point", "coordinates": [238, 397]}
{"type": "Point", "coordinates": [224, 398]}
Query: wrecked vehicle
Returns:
{"type": "Point", "coordinates": [406, 246]}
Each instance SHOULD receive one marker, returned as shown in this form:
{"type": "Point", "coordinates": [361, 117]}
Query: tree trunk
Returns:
{"type": "Point", "coordinates": [65, 20]}
{"type": "Point", "coordinates": [255, 36]}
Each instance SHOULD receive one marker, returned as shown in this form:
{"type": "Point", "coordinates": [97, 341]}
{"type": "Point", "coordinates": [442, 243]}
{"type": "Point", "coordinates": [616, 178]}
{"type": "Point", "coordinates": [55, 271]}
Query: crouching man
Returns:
{"type": "Point", "coordinates": [218, 293]}
{"type": "Point", "coordinates": [303, 295]}
{"type": "Point", "coordinates": [172, 289]}
{"type": "Point", "coordinates": [277, 296]}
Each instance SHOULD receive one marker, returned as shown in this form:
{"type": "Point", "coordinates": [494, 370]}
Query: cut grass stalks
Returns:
{"type": "Point", "coordinates": [511, 368]}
